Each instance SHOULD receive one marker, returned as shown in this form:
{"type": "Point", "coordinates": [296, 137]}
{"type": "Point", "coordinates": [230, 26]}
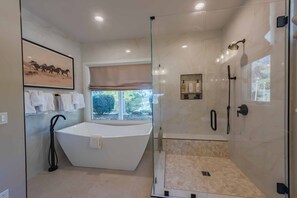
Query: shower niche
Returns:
{"type": "Point", "coordinates": [191, 87]}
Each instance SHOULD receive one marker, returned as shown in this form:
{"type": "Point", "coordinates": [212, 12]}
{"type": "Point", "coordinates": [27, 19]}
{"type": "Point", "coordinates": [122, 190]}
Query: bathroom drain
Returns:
{"type": "Point", "coordinates": [205, 173]}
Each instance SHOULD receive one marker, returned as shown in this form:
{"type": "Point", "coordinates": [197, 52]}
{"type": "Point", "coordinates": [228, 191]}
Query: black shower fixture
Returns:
{"type": "Point", "coordinates": [52, 154]}
{"type": "Point", "coordinates": [235, 46]}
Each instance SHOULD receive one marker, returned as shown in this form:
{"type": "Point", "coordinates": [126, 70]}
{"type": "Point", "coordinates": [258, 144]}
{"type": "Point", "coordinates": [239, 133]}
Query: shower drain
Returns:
{"type": "Point", "coordinates": [205, 173]}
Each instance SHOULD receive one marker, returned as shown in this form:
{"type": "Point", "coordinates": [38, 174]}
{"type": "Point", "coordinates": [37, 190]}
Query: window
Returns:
{"type": "Point", "coordinates": [122, 105]}
{"type": "Point", "coordinates": [261, 80]}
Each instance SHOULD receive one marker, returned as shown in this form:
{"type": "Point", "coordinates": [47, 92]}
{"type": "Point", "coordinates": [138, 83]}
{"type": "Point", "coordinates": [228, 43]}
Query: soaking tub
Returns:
{"type": "Point", "coordinates": [121, 147]}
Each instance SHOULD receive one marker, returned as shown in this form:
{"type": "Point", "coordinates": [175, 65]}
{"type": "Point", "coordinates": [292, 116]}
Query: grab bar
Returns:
{"type": "Point", "coordinates": [213, 120]}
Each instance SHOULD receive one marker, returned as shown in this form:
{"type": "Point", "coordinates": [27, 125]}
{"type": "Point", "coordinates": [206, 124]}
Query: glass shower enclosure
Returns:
{"type": "Point", "coordinates": [232, 51]}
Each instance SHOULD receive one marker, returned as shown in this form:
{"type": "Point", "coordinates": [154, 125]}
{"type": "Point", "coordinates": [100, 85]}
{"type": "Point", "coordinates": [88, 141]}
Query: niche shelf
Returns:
{"type": "Point", "coordinates": [191, 87]}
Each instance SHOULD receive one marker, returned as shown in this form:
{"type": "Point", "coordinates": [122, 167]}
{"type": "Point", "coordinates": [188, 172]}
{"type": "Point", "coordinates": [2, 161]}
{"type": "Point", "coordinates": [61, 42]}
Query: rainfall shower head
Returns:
{"type": "Point", "coordinates": [235, 46]}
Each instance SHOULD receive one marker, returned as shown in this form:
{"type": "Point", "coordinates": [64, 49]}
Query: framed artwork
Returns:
{"type": "Point", "coordinates": [46, 68]}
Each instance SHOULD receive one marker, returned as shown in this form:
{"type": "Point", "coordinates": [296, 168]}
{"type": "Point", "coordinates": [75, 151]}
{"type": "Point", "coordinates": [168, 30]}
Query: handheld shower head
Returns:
{"type": "Point", "coordinates": [235, 46]}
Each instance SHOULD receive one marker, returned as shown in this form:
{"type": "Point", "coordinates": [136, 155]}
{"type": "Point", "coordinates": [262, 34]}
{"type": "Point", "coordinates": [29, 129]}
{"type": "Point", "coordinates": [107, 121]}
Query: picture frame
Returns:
{"type": "Point", "coordinates": [46, 68]}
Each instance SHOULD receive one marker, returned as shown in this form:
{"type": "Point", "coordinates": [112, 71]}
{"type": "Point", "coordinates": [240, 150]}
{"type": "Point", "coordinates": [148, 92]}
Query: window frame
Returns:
{"type": "Point", "coordinates": [121, 110]}
{"type": "Point", "coordinates": [88, 93]}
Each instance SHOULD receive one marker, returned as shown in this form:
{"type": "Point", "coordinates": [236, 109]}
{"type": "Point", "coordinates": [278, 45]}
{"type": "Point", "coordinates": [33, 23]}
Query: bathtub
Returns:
{"type": "Point", "coordinates": [122, 146]}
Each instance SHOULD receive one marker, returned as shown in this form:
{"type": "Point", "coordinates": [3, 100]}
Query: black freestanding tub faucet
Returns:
{"type": "Point", "coordinates": [52, 154]}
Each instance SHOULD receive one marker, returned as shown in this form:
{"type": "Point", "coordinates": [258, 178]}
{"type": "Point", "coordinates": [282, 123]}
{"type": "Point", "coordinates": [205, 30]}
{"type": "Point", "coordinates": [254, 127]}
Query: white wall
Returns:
{"type": "Point", "coordinates": [37, 126]}
{"type": "Point", "coordinates": [190, 116]}
{"type": "Point", "coordinates": [110, 53]}
{"type": "Point", "coordinates": [257, 141]}
{"type": "Point", "coordinates": [12, 140]}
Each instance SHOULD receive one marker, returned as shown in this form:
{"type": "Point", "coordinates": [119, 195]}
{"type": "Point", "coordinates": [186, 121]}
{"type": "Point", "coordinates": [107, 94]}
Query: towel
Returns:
{"type": "Point", "coordinates": [28, 106]}
{"type": "Point", "coordinates": [60, 105]}
{"type": "Point", "coordinates": [66, 101]}
{"type": "Point", "coordinates": [81, 102]}
{"type": "Point", "coordinates": [75, 98]}
{"type": "Point", "coordinates": [48, 102]}
{"type": "Point", "coordinates": [96, 142]}
{"type": "Point", "coordinates": [36, 98]}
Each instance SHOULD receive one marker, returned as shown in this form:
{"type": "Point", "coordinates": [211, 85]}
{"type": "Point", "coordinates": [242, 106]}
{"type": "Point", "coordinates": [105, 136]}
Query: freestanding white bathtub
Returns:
{"type": "Point", "coordinates": [122, 146]}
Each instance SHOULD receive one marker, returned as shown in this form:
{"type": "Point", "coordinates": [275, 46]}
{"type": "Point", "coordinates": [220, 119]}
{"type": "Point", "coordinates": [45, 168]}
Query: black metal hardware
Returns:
{"type": "Point", "coordinates": [229, 95]}
{"type": "Point", "coordinates": [243, 110]}
{"type": "Point", "coordinates": [281, 21]}
{"type": "Point", "coordinates": [166, 193]}
{"type": "Point", "coordinates": [152, 17]}
{"type": "Point", "coordinates": [229, 74]}
{"type": "Point", "coordinates": [282, 189]}
{"type": "Point", "coordinates": [213, 120]}
{"type": "Point", "coordinates": [193, 196]}
{"type": "Point", "coordinates": [205, 173]}
{"type": "Point", "coordinates": [52, 154]}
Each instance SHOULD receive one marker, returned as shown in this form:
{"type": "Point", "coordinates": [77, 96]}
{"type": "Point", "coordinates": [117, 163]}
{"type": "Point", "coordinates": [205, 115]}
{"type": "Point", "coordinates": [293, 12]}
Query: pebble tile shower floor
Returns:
{"type": "Point", "coordinates": [184, 172]}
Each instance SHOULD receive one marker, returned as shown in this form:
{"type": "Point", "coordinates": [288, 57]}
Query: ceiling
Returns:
{"type": "Point", "coordinates": [124, 19]}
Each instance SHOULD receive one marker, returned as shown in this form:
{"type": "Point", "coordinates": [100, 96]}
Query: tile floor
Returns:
{"type": "Point", "coordinates": [183, 172]}
{"type": "Point", "coordinates": [74, 182]}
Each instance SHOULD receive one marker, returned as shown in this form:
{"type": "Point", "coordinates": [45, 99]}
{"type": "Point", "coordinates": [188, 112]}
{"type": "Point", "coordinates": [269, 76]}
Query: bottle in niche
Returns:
{"type": "Point", "coordinates": [198, 87]}
{"type": "Point", "coordinates": [191, 87]}
{"type": "Point", "coordinates": [184, 87]}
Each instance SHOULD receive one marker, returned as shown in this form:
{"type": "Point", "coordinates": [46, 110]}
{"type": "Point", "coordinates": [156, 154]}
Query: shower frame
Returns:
{"type": "Point", "coordinates": [289, 59]}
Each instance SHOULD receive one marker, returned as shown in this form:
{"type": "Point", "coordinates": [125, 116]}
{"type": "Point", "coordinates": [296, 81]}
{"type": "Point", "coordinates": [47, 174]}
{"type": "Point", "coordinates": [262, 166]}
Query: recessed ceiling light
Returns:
{"type": "Point", "coordinates": [30, 57]}
{"type": "Point", "coordinates": [99, 18]}
{"type": "Point", "coordinates": [128, 51]}
{"type": "Point", "coordinates": [184, 46]}
{"type": "Point", "coordinates": [199, 6]}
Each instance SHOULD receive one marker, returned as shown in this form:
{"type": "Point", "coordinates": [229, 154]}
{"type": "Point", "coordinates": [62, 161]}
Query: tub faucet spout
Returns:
{"type": "Point", "coordinates": [52, 154]}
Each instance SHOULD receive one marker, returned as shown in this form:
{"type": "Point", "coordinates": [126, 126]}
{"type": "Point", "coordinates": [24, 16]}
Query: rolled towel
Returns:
{"type": "Point", "coordinates": [96, 142]}
{"type": "Point", "coordinates": [28, 106]}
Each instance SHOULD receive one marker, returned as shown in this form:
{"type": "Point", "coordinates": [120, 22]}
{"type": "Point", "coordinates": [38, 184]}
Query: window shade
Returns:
{"type": "Point", "coordinates": [124, 77]}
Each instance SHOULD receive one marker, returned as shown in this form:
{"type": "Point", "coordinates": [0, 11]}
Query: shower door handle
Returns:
{"type": "Point", "coordinates": [213, 120]}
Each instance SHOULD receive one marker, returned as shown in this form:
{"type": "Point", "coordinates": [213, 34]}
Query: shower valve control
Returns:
{"type": "Point", "coordinates": [243, 110]}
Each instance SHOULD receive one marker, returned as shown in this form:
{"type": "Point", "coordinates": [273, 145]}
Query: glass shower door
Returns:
{"type": "Point", "coordinates": [195, 49]}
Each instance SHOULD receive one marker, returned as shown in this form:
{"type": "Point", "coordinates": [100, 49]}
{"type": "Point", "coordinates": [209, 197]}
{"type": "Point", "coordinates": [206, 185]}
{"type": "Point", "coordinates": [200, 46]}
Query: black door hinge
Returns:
{"type": "Point", "coordinates": [281, 21]}
{"type": "Point", "coordinates": [282, 189]}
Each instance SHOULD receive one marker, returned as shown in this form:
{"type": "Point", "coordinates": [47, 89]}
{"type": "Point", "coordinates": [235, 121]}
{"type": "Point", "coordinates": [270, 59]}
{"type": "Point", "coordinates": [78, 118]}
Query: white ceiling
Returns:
{"type": "Point", "coordinates": [125, 19]}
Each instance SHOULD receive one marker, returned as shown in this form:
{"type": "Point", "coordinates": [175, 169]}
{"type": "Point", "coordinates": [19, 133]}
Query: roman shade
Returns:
{"type": "Point", "coordinates": [123, 77]}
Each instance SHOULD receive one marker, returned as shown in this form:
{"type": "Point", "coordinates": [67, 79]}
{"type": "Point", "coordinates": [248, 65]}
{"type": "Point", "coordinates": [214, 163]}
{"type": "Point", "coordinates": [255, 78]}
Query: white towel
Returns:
{"type": "Point", "coordinates": [96, 142]}
{"type": "Point", "coordinates": [36, 98]}
{"type": "Point", "coordinates": [81, 102]}
{"type": "Point", "coordinates": [48, 102]}
{"type": "Point", "coordinates": [28, 106]}
{"type": "Point", "coordinates": [75, 98]}
{"type": "Point", "coordinates": [60, 105]}
{"type": "Point", "coordinates": [67, 102]}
